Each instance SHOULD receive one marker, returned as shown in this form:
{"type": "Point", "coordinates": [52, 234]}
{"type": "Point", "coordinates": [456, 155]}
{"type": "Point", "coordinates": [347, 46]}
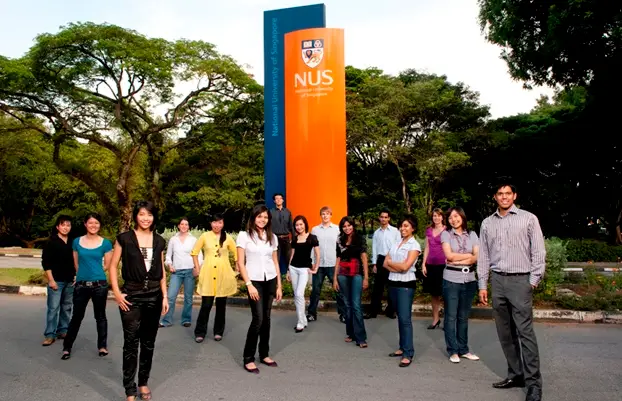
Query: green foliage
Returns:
{"type": "Point", "coordinates": [556, 260]}
{"type": "Point", "coordinates": [557, 42]}
{"type": "Point", "coordinates": [593, 251]}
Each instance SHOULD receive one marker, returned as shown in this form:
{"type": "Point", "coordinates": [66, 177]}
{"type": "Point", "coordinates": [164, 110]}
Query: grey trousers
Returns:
{"type": "Point", "coordinates": [512, 300]}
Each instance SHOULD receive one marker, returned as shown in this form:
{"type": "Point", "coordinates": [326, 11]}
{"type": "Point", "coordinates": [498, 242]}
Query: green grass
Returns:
{"type": "Point", "coordinates": [19, 276]}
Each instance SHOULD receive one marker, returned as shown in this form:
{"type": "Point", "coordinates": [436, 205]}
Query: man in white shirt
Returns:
{"type": "Point", "coordinates": [383, 240]}
{"type": "Point", "coordinates": [181, 266]}
{"type": "Point", "coordinates": [327, 234]}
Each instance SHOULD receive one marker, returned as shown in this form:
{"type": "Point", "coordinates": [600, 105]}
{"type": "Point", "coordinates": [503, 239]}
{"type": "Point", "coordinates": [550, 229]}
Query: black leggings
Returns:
{"type": "Point", "coordinates": [81, 296]}
{"type": "Point", "coordinates": [260, 325]}
{"type": "Point", "coordinates": [140, 326]}
{"type": "Point", "coordinates": [200, 329]}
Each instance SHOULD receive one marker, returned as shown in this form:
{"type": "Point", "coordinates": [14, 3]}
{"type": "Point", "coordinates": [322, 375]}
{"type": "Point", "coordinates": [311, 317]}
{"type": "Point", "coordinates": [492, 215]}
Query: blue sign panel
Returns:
{"type": "Point", "coordinates": [276, 24]}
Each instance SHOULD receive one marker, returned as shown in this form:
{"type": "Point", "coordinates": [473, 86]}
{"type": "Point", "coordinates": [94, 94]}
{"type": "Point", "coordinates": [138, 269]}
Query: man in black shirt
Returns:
{"type": "Point", "coordinates": [282, 227]}
{"type": "Point", "coordinates": [57, 261]}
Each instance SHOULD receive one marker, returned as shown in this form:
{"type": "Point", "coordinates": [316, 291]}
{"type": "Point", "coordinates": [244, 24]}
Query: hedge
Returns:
{"type": "Point", "coordinates": [586, 250]}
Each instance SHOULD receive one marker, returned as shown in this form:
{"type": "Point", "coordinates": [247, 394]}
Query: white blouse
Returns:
{"type": "Point", "coordinates": [178, 253]}
{"type": "Point", "coordinates": [258, 251]}
{"type": "Point", "coordinates": [400, 254]}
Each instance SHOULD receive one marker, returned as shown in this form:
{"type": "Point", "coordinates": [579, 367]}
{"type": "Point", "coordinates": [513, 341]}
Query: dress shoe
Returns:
{"type": "Point", "coordinates": [369, 316]}
{"type": "Point", "coordinates": [391, 315]}
{"type": "Point", "coordinates": [534, 394]}
{"type": "Point", "coordinates": [510, 383]}
{"type": "Point", "coordinates": [434, 325]}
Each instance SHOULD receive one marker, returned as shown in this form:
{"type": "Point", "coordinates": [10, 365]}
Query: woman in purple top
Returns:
{"type": "Point", "coordinates": [434, 264]}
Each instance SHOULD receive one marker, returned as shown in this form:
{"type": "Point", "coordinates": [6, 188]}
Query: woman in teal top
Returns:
{"type": "Point", "coordinates": [91, 253]}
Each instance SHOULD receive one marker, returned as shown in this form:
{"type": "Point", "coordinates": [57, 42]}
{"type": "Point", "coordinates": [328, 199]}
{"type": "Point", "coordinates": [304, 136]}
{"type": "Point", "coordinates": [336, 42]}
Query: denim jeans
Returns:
{"type": "Point", "coordinates": [81, 297]}
{"type": "Point", "coordinates": [402, 300]}
{"type": "Point", "coordinates": [317, 281]}
{"type": "Point", "coordinates": [458, 300]}
{"type": "Point", "coordinates": [187, 278]}
{"type": "Point", "coordinates": [60, 304]}
{"type": "Point", "coordinates": [351, 288]}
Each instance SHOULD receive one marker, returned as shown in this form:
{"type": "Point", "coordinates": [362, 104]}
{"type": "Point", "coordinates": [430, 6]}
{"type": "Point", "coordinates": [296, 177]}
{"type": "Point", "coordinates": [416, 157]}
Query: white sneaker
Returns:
{"type": "Point", "coordinates": [454, 358]}
{"type": "Point", "coordinates": [471, 357]}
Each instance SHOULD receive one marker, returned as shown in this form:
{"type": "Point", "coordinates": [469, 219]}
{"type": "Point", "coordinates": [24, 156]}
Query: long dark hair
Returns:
{"type": "Point", "coordinates": [304, 220]}
{"type": "Point", "coordinates": [461, 213]}
{"type": "Point", "coordinates": [223, 233]}
{"type": "Point", "coordinates": [343, 237]}
{"type": "Point", "coordinates": [412, 220]}
{"type": "Point", "coordinates": [251, 228]}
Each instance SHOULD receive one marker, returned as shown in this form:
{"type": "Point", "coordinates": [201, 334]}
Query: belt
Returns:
{"type": "Point", "coordinates": [465, 269]}
{"type": "Point", "coordinates": [96, 283]}
{"type": "Point", "coordinates": [510, 274]}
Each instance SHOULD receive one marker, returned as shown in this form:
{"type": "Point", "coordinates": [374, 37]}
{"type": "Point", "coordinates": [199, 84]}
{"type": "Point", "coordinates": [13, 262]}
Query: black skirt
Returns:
{"type": "Point", "coordinates": [433, 283]}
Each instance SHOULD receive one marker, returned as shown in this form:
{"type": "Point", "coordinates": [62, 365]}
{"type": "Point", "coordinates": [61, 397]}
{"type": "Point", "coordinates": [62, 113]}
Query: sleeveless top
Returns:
{"type": "Point", "coordinates": [436, 256]}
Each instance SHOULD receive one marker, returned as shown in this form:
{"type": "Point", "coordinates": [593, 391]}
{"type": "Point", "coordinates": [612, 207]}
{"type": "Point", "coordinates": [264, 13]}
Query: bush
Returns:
{"type": "Point", "coordinates": [556, 260]}
{"type": "Point", "coordinates": [593, 251]}
{"type": "Point", "coordinates": [38, 278]}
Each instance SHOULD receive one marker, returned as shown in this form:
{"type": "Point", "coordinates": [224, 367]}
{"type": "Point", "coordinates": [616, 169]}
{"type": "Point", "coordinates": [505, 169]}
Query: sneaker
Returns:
{"type": "Point", "coordinates": [48, 341]}
{"type": "Point", "coordinates": [187, 324]}
{"type": "Point", "coordinates": [311, 318]}
{"type": "Point", "coordinates": [454, 358]}
{"type": "Point", "coordinates": [470, 356]}
{"type": "Point", "coordinates": [342, 318]}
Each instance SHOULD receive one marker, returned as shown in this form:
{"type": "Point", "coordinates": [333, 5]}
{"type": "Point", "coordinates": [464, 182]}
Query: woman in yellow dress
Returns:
{"type": "Point", "coordinates": [216, 277]}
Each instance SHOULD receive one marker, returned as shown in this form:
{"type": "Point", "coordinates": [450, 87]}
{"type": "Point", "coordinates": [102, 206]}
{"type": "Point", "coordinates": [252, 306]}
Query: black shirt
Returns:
{"type": "Point", "coordinates": [353, 251]}
{"type": "Point", "coordinates": [281, 221]}
{"type": "Point", "coordinates": [302, 254]}
{"type": "Point", "coordinates": [133, 267]}
{"type": "Point", "coordinates": [58, 257]}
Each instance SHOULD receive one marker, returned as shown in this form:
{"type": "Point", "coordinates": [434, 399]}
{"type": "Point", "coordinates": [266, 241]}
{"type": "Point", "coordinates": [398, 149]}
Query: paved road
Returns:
{"type": "Point", "coordinates": [580, 362]}
{"type": "Point", "coordinates": [13, 261]}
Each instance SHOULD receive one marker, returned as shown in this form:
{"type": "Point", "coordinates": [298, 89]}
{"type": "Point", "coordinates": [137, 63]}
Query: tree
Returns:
{"type": "Point", "coordinates": [391, 119]}
{"type": "Point", "coordinates": [556, 42]}
{"type": "Point", "coordinates": [34, 191]}
{"type": "Point", "coordinates": [118, 90]}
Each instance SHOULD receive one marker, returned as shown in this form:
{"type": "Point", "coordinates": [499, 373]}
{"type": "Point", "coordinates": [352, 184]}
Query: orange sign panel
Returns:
{"type": "Point", "coordinates": [315, 123]}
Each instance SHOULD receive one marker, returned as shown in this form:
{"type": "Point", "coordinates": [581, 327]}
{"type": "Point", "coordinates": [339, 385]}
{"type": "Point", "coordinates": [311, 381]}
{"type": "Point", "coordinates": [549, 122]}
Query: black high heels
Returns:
{"type": "Point", "coordinates": [433, 326]}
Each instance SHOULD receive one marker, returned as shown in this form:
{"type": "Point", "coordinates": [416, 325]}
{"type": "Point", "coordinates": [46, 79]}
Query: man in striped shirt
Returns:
{"type": "Point", "coordinates": [512, 248]}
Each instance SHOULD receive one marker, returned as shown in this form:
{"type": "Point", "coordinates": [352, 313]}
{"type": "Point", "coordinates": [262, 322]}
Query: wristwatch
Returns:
{"type": "Point", "coordinates": [249, 283]}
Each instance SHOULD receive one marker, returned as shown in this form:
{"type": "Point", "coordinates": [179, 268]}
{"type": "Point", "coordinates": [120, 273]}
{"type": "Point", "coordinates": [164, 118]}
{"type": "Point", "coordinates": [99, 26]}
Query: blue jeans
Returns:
{"type": "Point", "coordinates": [187, 278]}
{"type": "Point", "coordinates": [351, 289]}
{"type": "Point", "coordinates": [60, 304]}
{"type": "Point", "coordinates": [317, 281]}
{"type": "Point", "coordinates": [458, 300]}
{"type": "Point", "coordinates": [402, 299]}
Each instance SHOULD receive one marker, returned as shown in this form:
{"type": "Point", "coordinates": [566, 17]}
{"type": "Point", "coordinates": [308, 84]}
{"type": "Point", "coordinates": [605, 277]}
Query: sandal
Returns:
{"type": "Point", "coordinates": [145, 396]}
{"type": "Point", "coordinates": [217, 337]}
{"type": "Point", "coordinates": [396, 354]}
{"type": "Point", "coordinates": [362, 345]}
{"type": "Point", "coordinates": [348, 339]}
{"type": "Point", "coordinates": [199, 339]}
{"type": "Point", "coordinates": [405, 364]}
{"type": "Point", "coordinates": [66, 355]}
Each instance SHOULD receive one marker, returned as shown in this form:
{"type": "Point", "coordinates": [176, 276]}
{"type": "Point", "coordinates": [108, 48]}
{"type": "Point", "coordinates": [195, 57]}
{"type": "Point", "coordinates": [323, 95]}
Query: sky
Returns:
{"type": "Point", "coordinates": [434, 36]}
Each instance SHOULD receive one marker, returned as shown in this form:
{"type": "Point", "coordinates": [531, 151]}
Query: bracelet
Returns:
{"type": "Point", "coordinates": [248, 283]}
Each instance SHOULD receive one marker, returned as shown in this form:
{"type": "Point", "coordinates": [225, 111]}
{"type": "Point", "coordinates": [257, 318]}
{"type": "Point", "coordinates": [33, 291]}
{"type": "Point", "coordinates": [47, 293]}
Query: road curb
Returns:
{"type": "Point", "coordinates": [19, 255]}
{"type": "Point", "coordinates": [558, 315]}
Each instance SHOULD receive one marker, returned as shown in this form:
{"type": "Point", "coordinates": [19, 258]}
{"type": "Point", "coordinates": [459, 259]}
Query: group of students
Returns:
{"type": "Point", "coordinates": [511, 247]}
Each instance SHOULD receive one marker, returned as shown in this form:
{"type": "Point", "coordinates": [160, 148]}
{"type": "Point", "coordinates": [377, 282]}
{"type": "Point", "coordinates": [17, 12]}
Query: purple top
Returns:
{"type": "Point", "coordinates": [436, 256]}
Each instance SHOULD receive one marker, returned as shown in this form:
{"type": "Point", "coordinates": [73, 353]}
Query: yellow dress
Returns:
{"type": "Point", "coordinates": [217, 278]}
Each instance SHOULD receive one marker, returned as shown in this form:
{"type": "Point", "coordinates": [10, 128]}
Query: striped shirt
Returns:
{"type": "Point", "coordinates": [511, 244]}
{"type": "Point", "coordinates": [400, 254]}
{"type": "Point", "coordinates": [459, 243]}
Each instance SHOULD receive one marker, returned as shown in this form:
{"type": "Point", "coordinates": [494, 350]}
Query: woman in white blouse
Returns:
{"type": "Point", "coordinates": [400, 262]}
{"type": "Point", "coordinates": [181, 266]}
{"type": "Point", "coordinates": [258, 264]}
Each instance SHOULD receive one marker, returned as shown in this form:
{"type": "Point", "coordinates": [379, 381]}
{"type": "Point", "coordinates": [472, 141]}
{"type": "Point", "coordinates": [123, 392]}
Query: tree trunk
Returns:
{"type": "Point", "coordinates": [404, 187]}
{"type": "Point", "coordinates": [155, 158]}
{"type": "Point", "coordinates": [124, 201]}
